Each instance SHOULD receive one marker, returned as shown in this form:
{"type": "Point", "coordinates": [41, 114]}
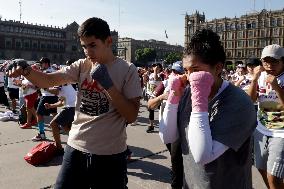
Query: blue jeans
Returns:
{"type": "Point", "coordinates": [85, 171]}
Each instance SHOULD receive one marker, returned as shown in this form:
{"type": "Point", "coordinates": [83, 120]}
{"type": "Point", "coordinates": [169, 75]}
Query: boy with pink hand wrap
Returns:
{"type": "Point", "coordinates": [200, 85]}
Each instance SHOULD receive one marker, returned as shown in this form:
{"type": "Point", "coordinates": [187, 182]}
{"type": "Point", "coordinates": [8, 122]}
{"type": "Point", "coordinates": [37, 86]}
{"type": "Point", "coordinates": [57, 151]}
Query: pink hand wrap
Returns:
{"type": "Point", "coordinates": [175, 86]}
{"type": "Point", "coordinates": [200, 84]}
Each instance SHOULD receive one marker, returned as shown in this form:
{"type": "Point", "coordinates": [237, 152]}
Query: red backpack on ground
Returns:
{"type": "Point", "coordinates": [41, 153]}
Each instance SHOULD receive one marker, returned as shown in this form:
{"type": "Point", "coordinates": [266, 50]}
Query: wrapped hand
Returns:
{"type": "Point", "coordinates": [101, 75]}
{"type": "Point", "coordinates": [200, 84]}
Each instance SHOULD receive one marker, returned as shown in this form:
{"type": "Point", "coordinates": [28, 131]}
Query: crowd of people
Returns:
{"type": "Point", "coordinates": [201, 105]}
{"type": "Point", "coordinates": [35, 103]}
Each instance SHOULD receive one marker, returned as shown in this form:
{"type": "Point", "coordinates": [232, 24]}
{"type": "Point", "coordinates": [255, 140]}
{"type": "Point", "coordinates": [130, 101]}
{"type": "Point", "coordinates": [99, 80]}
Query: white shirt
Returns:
{"type": "Point", "coordinates": [11, 82]}
{"type": "Point", "coordinates": [44, 92]}
{"type": "Point", "coordinates": [269, 108]}
{"type": "Point", "coordinates": [29, 89]}
{"type": "Point", "coordinates": [69, 93]}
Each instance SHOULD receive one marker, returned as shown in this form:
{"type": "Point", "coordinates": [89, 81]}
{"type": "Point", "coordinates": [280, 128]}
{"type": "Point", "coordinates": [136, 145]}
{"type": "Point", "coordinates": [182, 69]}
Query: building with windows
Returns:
{"type": "Point", "coordinates": [128, 46]}
{"type": "Point", "coordinates": [32, 41]}
{"type": "Point", "coordinates": [242, 37]}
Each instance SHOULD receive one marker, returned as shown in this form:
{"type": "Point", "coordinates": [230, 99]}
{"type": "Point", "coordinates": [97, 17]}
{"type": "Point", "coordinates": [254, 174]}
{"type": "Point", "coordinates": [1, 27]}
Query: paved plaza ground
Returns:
{"type": "Point", "coordinates": [150, 168]}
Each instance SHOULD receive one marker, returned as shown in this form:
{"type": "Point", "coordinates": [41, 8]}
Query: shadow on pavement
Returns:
{"type": "Point", "coordinates": [139, 153]}
{"type": "Point", "coordinates": [149, 171]}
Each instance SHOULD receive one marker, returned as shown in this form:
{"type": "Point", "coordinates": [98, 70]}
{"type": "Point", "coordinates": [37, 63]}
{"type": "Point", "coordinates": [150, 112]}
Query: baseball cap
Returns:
{"type": "Point", "coordinates": [254, 61]}
{"type": "Point", "coordinates": [44, 60]}
{"type": "Point", "coordinates": [274, 51]}
{"type": "Point", "coordinates": [177, 66]}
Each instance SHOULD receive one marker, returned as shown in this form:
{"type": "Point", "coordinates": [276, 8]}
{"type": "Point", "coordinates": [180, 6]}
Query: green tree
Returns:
{"type": "Point", "coordinates": [145, 55]}
{"type": "Point", "coordinates": [173, 57]}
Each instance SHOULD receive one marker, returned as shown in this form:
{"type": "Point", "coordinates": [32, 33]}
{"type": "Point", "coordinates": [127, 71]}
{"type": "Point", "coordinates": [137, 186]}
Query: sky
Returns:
{"type": "Point", "coordinates": [143, 19]}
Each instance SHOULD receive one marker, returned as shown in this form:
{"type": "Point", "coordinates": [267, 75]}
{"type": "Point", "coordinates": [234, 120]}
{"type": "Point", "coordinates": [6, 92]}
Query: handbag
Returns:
{"type": "Point", "coordinates": [41, 153]}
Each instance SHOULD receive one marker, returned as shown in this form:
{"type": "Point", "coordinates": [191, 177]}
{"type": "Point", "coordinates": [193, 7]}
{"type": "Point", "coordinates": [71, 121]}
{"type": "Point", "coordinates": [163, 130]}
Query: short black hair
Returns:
{"type": "Point", "coordinates": [94, 27]}
{"type": "Point", "coordinates": [206, 45]}
{"type": "Point", "coordinates": [44, 60]}
{"type": "Point", "coordinates": [253, 61]}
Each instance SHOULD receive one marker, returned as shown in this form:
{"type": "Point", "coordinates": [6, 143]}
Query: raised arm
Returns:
{"type": "Point", "coordinates": [40, 79]}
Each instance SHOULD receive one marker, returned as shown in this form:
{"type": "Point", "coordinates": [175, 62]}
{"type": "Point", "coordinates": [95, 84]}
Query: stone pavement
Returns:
{"type": "Point", "coordinates": [149, 168]}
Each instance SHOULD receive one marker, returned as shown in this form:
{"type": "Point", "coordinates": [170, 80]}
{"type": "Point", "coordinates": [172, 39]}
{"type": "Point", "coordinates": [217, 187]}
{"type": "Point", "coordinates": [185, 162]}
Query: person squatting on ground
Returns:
{"type": "Point", "coordinates": [107, 99]}
{"type": "Point", "coordinates": [67, 97]}
{"type": "Point", "coordinates": [267, 87]}
{"type": "Point", "coordinates": [215, 139]}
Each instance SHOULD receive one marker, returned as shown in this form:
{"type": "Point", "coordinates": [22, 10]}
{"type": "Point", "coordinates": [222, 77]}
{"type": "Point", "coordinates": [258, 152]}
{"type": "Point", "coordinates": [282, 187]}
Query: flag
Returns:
{"type": "Point", "coordinates": [166, 34]}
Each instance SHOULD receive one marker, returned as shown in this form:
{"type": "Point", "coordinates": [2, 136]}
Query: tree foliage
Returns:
{"type": "Point", "coordinates": [173, 57]}
{"type": "Point", "coordinates": [145, 55]}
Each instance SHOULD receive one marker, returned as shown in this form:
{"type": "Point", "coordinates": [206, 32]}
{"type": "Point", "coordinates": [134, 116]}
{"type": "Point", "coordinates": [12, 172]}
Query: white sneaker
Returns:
{"type": "Point", "coordinates": [39, 137]}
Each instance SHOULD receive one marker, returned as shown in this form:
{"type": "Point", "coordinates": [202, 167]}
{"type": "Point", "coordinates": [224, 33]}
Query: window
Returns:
{"type": "Point", "coordinates": [240, 34]}
{"type": "Point", "coordinates": [276, 32]}
{"type": "Point", "coordinates": [249, 26]}
{"type": "Point", "coordinates": [8, 44]}
{"type": "Point", "coordinates": [262, 33]}
{"type": "Point", "coordinates": [250, 43]}
{"type": "Point", "coordinates": [255, 43]}
{"type": "Point", "coordinates": [273, 22]}
{"type": "Point", "coordinates": [239, 54]}
{"type": "Point", "coordinates": [18, 44]}
{"type": "Point", "coordinates": [61, 47]}
{"type": "Point", "coordinates": [240, 43]}
{"type": "Point", "coordinates": [228, 54]}
{"type": "Point", "coordinates": [266, 24]}
{"type": "Point", "coordinates": [42, 46]}
{"type": "Point", "coordinates": [233, 27]}
{"type": "Point", "coordinates": [229, 35]}
{"type": "Point", "coordinates": [238, 26]}
{"type": "Point", "coordinates": [35, 45]}
{"type": "Point", "coordinates": [27, 44]}
{"type": "Point", "coordinates": [262, 43]}
{"type": "Point", "coordinates": [55, 46]}
{"type": "Point", "coordinates": [227, 26]}
{"type": "Point", "coordinates": [229, 44]}
{"type": "Point", "coordinates": [250, 33]}
{"type": "Point", "coordinates": [243, 26]}
{"type": "Point", "coordinates": [253, 24]}
{"type": "Point", "coordinates": [279, 22]}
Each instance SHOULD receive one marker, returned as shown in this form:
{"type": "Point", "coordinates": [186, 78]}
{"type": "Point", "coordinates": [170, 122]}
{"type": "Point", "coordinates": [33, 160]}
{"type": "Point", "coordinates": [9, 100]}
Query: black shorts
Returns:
{"type": "Point", "coordinates": [65, 117]}
{"type": "Point", "coordinates": [46, 99]}
{"type": "Point", "coordinates": [13, 93]}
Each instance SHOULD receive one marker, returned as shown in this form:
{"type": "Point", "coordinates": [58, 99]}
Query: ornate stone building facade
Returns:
{"type": "Point", "coordinates": [32, 41]}
{"type": "Point", "coordinates": [128, 46]}
{"type": "Point", "coordinates": [242, 37]}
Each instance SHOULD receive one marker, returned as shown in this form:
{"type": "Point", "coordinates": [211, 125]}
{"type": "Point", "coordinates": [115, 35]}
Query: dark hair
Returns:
{"type": "Point", "coordinates": [206, 45]}
{"type": "Point", "coordinates": [45, 60]}
{"type": "Point", "coordinates": [94, 27]}
{"type": "Point", "coordinates": [159, 66]}
{"type": "Point", "coordinates": [253, 61]}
